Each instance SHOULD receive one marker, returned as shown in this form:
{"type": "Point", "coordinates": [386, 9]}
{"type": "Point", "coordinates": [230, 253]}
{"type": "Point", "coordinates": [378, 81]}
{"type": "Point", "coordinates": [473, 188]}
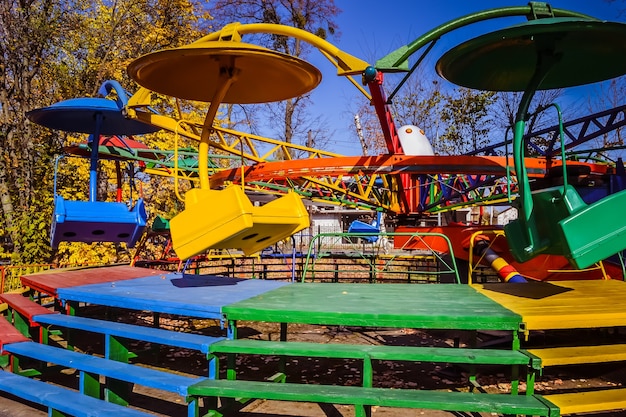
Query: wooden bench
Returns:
{"type": "Point", "coordinates": [61, 401]}
{"type": "Point", "coordinates": [377, 352]}
{"type": "Point", "coordinates": [28, 315]}
{"type": "Point", "coordinates": [533, 405]}
{"type": "Point", "coordinates": [588, 401]}
{"type": "Point", "coordinates": [367, 353]}
{"type": "Point", "coordinates": [8, 334]}
{"type": "Point", "coordinates": [21, 312]}
{"type": "Point", "coordinates": [117, 334]}
{"type": "Point", "coordinates": [576, 355]}
{"type": "Point", "coordinates": [90, 368]}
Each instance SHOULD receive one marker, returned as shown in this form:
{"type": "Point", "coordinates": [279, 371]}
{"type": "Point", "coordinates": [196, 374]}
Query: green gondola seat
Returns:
{"type": "Point", "coordinates": [561, 223]}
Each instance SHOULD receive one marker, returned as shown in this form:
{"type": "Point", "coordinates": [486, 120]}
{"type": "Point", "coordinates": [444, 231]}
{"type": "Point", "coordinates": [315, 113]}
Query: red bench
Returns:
{"type": "Point", "coordinates": [9, 334]}
{"type": "Point", "coordinates": [21, 313]}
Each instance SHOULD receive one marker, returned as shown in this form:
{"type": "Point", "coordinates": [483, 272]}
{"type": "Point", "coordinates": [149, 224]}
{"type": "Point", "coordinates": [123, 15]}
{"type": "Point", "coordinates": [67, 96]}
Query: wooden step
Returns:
{"type": "Point", "coordinates": [577, 355]}
{"type": "Point", "coordinates": [21, 311]}
{"type": "Point", "coordinates": [368, 353]}
{"type": "Point", "coordinates": [375, 352]}
{"type": "Point", "coordinates": [384, 397]}
{"type": "Point", "coordinates": [9, 334]}
{"type": "Point", "coordinates": [89, 364]}
{"type": "Point", "coordinates": [24, 306]}
{"type": "Point", "coordinates": [590, 401]}
{"type": "Point", "coordinates": [192, 341]}
{"type": "Point", "coordinates": [62, 400]}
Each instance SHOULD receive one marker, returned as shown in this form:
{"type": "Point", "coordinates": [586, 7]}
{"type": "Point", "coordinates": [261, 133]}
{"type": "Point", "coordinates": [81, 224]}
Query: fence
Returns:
{"type": "Point", "coordinates": [10, 274]}
{"type": "Point", "coordinates": [374, 258]}
{"type": "Point", "coordinates": [341, 257]}
{"type": "Point", "coordinates": [328, 257]}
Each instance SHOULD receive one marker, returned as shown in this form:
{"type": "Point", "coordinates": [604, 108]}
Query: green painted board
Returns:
{"type": "Point", "coordinates": [376, 352]}
{"type": "Point", "coordinates": [437, 306]}
{"type": "Point", "coordinates": [432, 400]}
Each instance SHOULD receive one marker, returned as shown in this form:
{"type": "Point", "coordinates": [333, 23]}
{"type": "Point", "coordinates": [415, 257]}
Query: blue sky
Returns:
{"type": "Point", "coordinates": [372, 29]}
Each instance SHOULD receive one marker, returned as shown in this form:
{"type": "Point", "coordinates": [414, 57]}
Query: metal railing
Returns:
{"type": "Point", "coordinates": [10, 274]}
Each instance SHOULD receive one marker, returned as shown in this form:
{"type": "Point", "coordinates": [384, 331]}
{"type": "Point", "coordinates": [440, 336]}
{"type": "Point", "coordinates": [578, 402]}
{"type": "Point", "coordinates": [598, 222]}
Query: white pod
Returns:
{"type": "Point", "coordinates": [414, 141]}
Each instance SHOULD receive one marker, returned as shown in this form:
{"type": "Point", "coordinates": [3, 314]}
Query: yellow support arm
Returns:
{"type": "Point", "coordinates": [346, 64]}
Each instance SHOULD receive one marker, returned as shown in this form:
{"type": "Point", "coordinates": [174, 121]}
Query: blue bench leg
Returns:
{"type": "Point", "coordinates": [56, 413]}
{"type": "Point", "coordinates": [193, 408]}
{"type": "Point", "coordinates": [213, 366]}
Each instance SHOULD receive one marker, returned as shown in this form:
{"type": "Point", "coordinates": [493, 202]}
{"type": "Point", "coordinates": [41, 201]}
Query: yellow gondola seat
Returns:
{"type": "Point", "coordinates": [227, 219]}
{"type": "Point", "coordinates": [210, 216]}
{"type": "Point", "coordinates": [272, 222]}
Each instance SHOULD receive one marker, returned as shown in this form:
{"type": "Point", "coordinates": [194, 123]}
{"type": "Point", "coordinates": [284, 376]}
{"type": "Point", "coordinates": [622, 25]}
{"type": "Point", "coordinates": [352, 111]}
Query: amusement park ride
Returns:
{"type": "Point", "coordinates": [562, 219]}
{"type": "Point", "coordinates": [570, 227]}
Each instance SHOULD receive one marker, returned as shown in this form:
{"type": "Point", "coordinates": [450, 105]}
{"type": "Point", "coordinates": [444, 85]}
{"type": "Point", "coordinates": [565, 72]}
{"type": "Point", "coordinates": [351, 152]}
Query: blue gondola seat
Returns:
{"type": "Point", "coordinates": [97, 221]}
{"type": "Point", "coordinates": [357, 226]}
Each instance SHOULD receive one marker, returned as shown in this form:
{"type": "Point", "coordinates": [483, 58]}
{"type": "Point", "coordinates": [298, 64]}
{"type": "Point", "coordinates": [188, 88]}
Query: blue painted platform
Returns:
{"type": "Point", "coordinates": [201, 296]}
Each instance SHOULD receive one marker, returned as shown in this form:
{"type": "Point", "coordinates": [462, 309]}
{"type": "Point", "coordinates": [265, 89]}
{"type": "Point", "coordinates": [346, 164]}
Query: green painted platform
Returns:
{"type": "Point", "coordinates": [446, 306]}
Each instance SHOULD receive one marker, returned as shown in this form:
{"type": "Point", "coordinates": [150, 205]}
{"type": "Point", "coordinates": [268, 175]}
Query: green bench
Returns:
{"type": "Point", "coordinates": [363, 397]}
{"type": "Point", "coordinates": [366, 353]}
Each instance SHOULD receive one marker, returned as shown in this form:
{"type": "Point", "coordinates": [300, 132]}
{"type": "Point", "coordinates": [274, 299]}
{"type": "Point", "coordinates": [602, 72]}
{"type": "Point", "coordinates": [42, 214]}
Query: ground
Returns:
{"type": "Point", "coordinates": [346, 372]}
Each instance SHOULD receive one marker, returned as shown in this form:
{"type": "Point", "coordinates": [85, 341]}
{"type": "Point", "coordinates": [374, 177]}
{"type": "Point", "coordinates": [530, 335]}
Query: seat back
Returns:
{"type": "Point", "coordinates": [272, 222]}
{"type": "Point", "coordinates": [541, 234]}
{"type": "Point", "coordinates": [595, 232]}
{"type": "Point", "coordinates": [563, 224]}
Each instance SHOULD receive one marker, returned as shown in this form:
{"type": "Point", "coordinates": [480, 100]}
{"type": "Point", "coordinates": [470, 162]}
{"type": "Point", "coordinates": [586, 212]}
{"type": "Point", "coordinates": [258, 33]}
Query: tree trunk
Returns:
{"type": "Point", "coordinates": [7, 209]}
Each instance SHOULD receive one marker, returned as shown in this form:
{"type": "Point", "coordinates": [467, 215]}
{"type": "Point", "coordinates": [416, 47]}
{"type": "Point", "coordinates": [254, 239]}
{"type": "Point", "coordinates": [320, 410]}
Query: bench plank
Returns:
{"type": "Point", "coordinates": [24, 305]}
{"type": "Point", "coordinates": [62, 399]}
{"type": "Point", "coordinates": [377, 352]}
{"type": "Point", "coordinates": [9, 334]}
{"type": "Point", "coordinates": [590, 401]}
{"type": "Point", "coordinates": [153, 378]}
{"type": "Point", "coordinates": [147, 334]}
{"type": "Point", "coordinates": [576, 355]}
{"type": "Point", "coordinates": [384, 397]}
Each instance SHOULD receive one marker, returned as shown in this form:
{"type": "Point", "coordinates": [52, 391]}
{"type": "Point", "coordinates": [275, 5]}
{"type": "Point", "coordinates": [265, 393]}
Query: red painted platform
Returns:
{"type": "Point", "coordinates": [48, 282]}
